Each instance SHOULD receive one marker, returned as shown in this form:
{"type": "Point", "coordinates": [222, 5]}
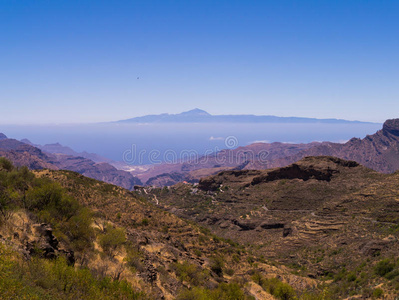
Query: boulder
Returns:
{"type": "Point", "coordinates": [46, 245]}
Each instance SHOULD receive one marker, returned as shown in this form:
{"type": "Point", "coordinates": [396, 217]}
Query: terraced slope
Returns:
{"type": "Point", "coordinates": [327, 217]}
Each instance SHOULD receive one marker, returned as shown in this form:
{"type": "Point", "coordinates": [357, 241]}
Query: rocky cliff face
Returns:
{"type": "Point", "coordinates": [391, 127]}
{"type": "Point", "coordinates": [379, 151]}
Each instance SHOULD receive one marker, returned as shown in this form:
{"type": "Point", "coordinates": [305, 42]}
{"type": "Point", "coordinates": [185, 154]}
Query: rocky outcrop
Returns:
{"type": "Point", "coordinates": [2, 136]}
{"type": "Point", "coordinates": [44, 244]}
{"type": "Point", "coordinates": [245, 225]}
{"type": "Point", "coordinates": [209, 184]}
{"type": "Point", "coordinates": [373, 247]}
{"type": "Point", "coordinates": [391, 127]}
{"type": "Point", "coordinates": [320, 168]}
{"type": "Point", "coordinates": [165, 179]}
{"type": "Point", "coordinates": [274, 225]}
{"type": "Point", "coordinates": [305, 171]}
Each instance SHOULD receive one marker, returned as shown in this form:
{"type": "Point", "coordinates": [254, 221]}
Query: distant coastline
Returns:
{"type": "Point", "coordinates": [201, 116]}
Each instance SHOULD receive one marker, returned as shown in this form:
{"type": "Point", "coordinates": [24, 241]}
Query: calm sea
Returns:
{"type": "Point", "coordinates": [140, 141]}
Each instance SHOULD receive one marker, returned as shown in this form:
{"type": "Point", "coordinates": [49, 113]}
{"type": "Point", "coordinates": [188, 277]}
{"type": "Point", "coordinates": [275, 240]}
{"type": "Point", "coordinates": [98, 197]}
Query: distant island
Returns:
{"type": "Point", "coordinates": [200, 116]}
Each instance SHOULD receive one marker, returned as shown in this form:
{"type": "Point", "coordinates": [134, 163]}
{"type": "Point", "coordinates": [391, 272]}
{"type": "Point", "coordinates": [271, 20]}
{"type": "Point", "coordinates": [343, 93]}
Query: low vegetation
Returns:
{"type": "Point", "coordinates": [38, 278]}
{"type": "Point", "coordinates": [55, 279]}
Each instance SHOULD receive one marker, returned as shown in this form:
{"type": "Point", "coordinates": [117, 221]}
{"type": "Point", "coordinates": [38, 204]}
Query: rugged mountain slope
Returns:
{"type": "Point", "coordinates": [24, 154]}
{"type": "Point", "coordinates": [100, 171]}
{"type": "Point", "coordinates": [330, 218]}
{"type": "Point", "coordinates": [117, 235]}
{"type": "Point", "coordinates": [379, 151]}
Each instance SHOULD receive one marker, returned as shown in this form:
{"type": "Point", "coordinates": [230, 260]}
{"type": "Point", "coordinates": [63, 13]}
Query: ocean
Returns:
{"type": "Point", "coordinates": [140, 144]}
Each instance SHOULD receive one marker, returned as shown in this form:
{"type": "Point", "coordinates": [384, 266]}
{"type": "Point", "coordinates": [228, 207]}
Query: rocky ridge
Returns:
{"type": "Point", "coordinates": [24, 154]}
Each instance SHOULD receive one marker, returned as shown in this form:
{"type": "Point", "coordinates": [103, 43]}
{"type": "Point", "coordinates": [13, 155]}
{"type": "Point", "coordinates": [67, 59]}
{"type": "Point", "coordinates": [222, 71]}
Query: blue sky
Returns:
{"type": "Point", "coordinates": [78, 61]}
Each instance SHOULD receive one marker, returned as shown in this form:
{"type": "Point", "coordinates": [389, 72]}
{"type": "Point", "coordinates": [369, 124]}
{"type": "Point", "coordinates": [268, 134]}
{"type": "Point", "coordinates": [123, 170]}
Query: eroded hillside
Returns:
{"type": "Point", "coordinates": [331, 219]}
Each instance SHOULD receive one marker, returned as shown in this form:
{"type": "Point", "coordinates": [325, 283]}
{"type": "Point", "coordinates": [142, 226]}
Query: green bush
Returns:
{"type": "Point", "coordinates": [229, 272]}
{"type": "Point", "coordinates": [275, 287]}
{"type": "Point", "coordinates": [392, 275]}
{"type": "Point", "coordinates": [112, 239]}
{"type": "Point", "coordinates": [378, 293]}
{"type": "Point", "coordinates": [134, 259]}
{"type": "Point", "coordinates": [285, 292]}
{"type": "Point", "coordinates": [351, 277]}
{"type": "Point", "coordinates": [46, 196]}
{"type": "Point", "coordinates": [6, 164]}
{"type": "Point", "coordinates": [217, 265]}
{"type": "Point", "coordinates": [194, 294]}
{"type": "Point", "coordinates": [383, 267]}
{"type": "Point", "coordinates": [6, 204]}
{"type": "Point", "coordinates": [78, 230]}
{"type": "Point", "coordinates": [224, 291]}
{"type": "Point", "coordinates": [190, 273]}
{"type": "Point", "coordinates": [236, 258]}
{"type": "Point", "coordinates": [228, 291]}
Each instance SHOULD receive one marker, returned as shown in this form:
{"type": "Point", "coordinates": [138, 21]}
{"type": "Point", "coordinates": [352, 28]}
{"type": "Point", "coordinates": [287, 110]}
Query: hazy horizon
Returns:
{"type": "Point", "coordinates": [113, 140]}
{"type": "Point", "coordinates": [174, 113]}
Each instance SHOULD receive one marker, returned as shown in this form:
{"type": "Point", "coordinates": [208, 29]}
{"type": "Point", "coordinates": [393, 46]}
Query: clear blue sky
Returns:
{"type": "Point", "coordinates": [78, 61]}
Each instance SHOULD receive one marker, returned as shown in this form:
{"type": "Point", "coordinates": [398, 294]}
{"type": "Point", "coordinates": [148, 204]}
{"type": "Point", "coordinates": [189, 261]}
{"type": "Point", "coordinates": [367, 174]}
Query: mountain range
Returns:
{"type": "Point", "coordinates": [56, 156]}
{"type": "Point", "coordinates": [200, 116]}
{"type": "Point", "coordinates": [379, 151]}
{"type": "Point", "coordinates": [57, 148]}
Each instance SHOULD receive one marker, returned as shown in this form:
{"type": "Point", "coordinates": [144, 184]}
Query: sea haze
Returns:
{"type": "Point", "coordinates": [112, 140]}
